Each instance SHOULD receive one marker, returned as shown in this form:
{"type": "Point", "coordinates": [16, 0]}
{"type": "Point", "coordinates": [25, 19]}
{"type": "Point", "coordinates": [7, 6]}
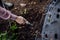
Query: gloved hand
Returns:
{"type": "Point", "coordinates": [21, 20]}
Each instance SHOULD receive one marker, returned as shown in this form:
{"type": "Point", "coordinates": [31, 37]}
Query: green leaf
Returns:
{"type": "Point", "coordinates": [13, 27]}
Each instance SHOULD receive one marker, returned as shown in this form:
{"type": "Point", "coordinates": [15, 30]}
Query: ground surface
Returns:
{"type": "Point", "coordinates": [34, 11]}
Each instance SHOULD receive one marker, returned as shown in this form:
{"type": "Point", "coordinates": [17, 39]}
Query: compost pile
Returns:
{"type": "Point", "coordinates": [33, 11]}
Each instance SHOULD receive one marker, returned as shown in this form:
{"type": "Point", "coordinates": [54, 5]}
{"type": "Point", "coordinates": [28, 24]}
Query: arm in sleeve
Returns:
{"type": "Point", "coordinates": [5, 14]}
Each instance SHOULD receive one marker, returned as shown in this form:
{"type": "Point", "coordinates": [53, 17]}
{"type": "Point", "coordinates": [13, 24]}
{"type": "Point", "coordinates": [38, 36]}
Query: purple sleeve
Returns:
{"type": "Point", "coordinates": [12, 16]}
{"type": "Point", "coordinates": [5, 14]}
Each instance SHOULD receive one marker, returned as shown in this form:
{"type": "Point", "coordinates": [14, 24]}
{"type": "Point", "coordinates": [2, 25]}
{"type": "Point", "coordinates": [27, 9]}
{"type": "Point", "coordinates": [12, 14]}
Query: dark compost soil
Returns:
{"type": "Point", "coordinates": [34, 14]}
